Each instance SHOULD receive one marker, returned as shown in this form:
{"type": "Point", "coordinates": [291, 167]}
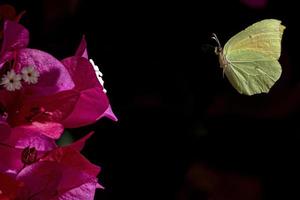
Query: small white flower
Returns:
{"type": "Point", "coordinates": [98, 74]}
{"type": "Point", "coordinates": [11, 81]}
{"type": "Point", "coordinates": [30, 75]}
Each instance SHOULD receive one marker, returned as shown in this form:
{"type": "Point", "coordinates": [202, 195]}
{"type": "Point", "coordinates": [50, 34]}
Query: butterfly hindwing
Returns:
{"type": "Point", "coordinates": [251, 72]}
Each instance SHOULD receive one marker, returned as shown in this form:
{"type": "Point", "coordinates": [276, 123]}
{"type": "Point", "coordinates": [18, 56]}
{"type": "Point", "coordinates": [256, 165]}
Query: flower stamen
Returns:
{"type": "Point", "coordinates": [98, 74]}
{"type": "Point", "coordinates": [29, 155]}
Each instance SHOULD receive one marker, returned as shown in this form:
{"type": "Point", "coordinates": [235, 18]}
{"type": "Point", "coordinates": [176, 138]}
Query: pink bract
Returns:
{"type": "Point", "coordinates": [62, 95]}
{"type": "Point", "coordinates": [93, 103]}
{"type": "Point", "coordinates": [54, 78]}
{"type": "Point", "coordinates": [62, 174]}
{"type": "Point", "coordinates": [57, 172]}
{"type": "Point", "coordinates": [17, 140]}
{"type": "Point", "coordinates": [15, 36]}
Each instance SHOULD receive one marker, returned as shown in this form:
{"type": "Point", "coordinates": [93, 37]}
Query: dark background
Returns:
{"type": "Point", "coordinates": [183, 131]}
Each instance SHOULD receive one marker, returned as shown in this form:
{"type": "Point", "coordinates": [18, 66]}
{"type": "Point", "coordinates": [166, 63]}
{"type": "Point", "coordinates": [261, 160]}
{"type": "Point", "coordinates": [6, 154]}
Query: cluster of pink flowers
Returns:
{"type": "Point", "coordinates": [39, 97]}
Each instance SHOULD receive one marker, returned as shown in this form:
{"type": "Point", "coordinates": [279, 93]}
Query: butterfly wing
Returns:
{"type": "Point", "coordinates": [252, 57]}
{"type": "Point", "coordinates": [252, 72]}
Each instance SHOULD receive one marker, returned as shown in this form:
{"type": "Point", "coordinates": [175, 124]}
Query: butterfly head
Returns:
{"type": "Point", "coordinates": [218, 49]}
{"type": "Point", "coordinates": [219, 52]}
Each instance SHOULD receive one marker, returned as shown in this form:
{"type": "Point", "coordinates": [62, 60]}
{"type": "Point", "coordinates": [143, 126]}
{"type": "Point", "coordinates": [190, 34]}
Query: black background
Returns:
{"type": "Point", "coordinates": [165, 86]}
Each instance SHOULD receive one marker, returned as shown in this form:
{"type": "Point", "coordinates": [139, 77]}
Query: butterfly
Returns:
{"type": "Point", "coordinates": [250, 58]}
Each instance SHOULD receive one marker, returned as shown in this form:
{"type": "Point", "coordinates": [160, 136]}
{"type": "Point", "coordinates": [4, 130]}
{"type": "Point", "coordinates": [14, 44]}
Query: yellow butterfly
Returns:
{"type": "Point", "coordinates": [250, 58]}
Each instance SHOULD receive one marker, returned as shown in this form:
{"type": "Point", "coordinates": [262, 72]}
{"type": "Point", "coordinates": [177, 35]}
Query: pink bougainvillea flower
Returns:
{"type": "Point", "coordinates": [39, 96]}
{"type": "Point", "coordinates": [62, 174]}
{"type": "Point", "coordinates": [60, 94]}
{"type": "Point", "coordinates": [82, 49]}
{"type": "Point", "coordinates": [15, 37]}
{"type": "Point", "coordinates": [85, 103]}
{"type": "Point", "coordinates": [7, 12]}
{"type": "Point", "coordinates": [42, 75]}
{"type": "Point", "coordinates": [52, 75]}
{"type": "Point", "coordinates": [18, 139]}
{"type": "Point", "coordinates": [45, 170]}
{"type": "Point", "coordinates": [93, 102]}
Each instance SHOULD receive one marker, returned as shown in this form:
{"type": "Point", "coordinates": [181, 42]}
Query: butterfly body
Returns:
{"type": "Point", "coordinates": [250, 58]}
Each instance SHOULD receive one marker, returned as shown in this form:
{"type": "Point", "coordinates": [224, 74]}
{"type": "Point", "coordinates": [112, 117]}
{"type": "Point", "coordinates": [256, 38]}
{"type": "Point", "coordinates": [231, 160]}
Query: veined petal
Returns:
{"type": "Point", "coordinates": [53, 76]}
{"type": "Point", "coordinates": [15, 36]}
{"type": "Point", "coordinates": [82, 49]}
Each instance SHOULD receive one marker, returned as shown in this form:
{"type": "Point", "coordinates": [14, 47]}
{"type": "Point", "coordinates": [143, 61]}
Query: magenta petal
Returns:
{"type": "Point", "coordinates": [93, 102]}
{"type": "Point", "coordinates": [41, 180]}
{"type": "Point", "coordinates": [85, 191]}
{"type": "Point", "coordinates": [79, 174]}
{"type": "Point", "coordinates": [68, 156]}
{"type": "Point", "coordinates": [82, 49]}
{"type": "Point", "coordinates": [52, 108]}
{"type": "Point", "coordinates": [90, 106]}
{"type": "Point", "coordinates": [20, 138]}
{"type": "Point", "coordinates": [10, 159]}
{"type": "Point", "coordinates": [54, 77]}
{"type": "Point", "coordinates": [79, 67]}
{"type": "Point", "coordinates": [15, 36]}
{"type": "Point", "coordinates": [73, 178]}
{"type": "Point", "coordinates": [53, 180]}
{"type": "Point", "coordinates": [29, 136]}
{"type": "Point", "coordinates": [109, 114]}
{"type": "Point", "coordinates": [61, 173]}
{"type": "Point", "coordinates": [79, 144]}
{"type": "Point", "coordinates": [51, 129]}
{"type": "Point", "coordinates": [98, 186]}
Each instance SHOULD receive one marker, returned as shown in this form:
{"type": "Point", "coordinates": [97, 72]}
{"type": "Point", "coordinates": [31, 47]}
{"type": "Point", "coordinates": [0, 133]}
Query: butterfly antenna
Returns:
{"type": "Point", "coordinates": [219, 47]}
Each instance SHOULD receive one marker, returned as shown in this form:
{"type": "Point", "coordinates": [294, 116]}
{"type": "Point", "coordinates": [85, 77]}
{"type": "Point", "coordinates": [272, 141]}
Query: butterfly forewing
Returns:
{"type": "Point", "coordinates": [264, 37]}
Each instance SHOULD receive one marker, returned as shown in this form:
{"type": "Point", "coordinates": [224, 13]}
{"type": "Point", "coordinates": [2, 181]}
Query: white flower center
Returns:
{"type": "Point", "coordinates": [98, 74]}
{"type": "Point", "coordinates": [11, 81]}
{"type": "Point", "coordinates": [30, 75]}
